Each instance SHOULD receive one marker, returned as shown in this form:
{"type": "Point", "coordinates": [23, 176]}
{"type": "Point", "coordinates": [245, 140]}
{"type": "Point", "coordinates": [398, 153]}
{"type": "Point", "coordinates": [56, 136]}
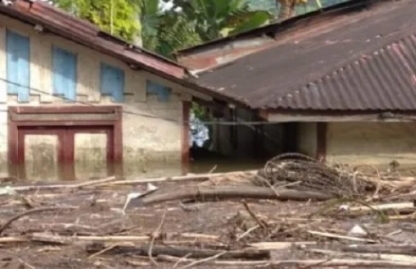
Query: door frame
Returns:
{"type": "Point", "coordinates": [64, 116]}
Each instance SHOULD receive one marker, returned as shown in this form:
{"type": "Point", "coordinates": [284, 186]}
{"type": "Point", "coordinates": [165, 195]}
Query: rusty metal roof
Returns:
{"type": "Point", "coordinates": [362, 60]}
{"type": "Point", "coordinates": [70, 27]}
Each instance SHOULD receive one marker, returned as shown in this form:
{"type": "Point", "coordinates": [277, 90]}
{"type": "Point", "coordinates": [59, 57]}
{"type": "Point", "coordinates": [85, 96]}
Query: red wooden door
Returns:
{"type": "Point", "coordinates": [95, 133]}
{"type": "Point", "coordinates": [41, 152]}
{"type": "Point", "coordinates": [48, 153]}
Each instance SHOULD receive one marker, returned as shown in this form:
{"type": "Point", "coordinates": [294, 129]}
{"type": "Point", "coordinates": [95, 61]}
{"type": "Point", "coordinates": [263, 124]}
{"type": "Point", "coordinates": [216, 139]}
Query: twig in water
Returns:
{"type": "Point", "coordinates": [212, 169]}
{"type": "Point", "coordinates": [155, 234]}
{"type": "Point", "coordinates": [32, 211]}
{"type": "Point", "coordinates": [204, 260]}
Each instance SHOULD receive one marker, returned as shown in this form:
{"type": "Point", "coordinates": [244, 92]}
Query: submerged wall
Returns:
{"type": "Point", "coordinates": [375, 144]}
{"type": "Point", "coordinates": [151, 124]}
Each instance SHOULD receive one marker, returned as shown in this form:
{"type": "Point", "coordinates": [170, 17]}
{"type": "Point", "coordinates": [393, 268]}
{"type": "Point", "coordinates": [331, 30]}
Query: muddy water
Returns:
{"type": "Point", "coordinates": [81, 171]}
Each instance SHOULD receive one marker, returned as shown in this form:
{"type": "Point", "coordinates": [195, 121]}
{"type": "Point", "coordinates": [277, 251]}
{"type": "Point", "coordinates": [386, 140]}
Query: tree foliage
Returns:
{"type": "Point", "coordinates": [188, 23]}
{"type": "Point", "coordinates": [212, 19]}
{"type": "Point", "coordinates": [165, 31]}
{"type": "Point", "coordinates": [118, 17]}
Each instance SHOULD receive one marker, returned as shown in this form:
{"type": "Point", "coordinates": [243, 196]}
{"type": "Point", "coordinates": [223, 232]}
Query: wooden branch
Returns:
{"type": "Point", "coordinates": [374, 256]}
{"type": "Point", "coordinates": [342, 237]}
{"type": "Point", "coordinates": [62, 239]}
{"type": "Point", "coordinates": [207, 193]}
{"type": "Point", "coordinates": [249, 254]}
{"type": "Point", "coordinates": [279, 245]}
{"type": "Point", "coordinates": [51, 238]}
{"type": "Point", "coordinates": [406, 206]}
{"type": "Point", "coordinates": [385, 249]}
{"type": "Point", "coordinates": [194, 263]}
{"type": "Point", "coordinates": [350, 263]}
{"type": "Point", "coordinates": [65, 186]}
{"type": "Point", "coordinates": [303, 263]}
{"type": "Point", "coordinates": [13, 239]}
{"type": "Point", "coordinates": [156, 234]}
{"type": "Point", "coordinates": [32, 211]}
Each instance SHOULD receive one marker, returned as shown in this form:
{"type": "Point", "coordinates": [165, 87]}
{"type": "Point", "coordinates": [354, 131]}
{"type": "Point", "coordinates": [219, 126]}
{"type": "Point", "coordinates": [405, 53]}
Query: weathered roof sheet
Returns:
{"type": "Point", "coordinates": [363, 60]}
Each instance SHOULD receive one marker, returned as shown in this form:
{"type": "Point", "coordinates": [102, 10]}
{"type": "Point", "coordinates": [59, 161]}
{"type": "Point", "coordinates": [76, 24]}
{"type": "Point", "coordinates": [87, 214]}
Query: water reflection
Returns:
{"type": "Point", "coordinates": [89, 171]}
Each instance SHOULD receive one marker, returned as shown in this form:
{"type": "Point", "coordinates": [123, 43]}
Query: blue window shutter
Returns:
{"type": "Point", "coordinates": [18, 65]}
{"type": "Point", "coordinates": [162, 92]}
{"type": "Point", "coordinates": [64, 66]}
{"type": "Point", "coordinates": [112, 82]}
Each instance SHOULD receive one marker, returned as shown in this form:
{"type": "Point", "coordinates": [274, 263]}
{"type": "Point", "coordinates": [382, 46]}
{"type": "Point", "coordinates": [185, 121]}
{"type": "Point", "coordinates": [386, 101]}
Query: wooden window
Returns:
{"type": "Point", "coordinates": [112, 82]}
{"type": "Point", "coordinates": [18, 65]}
{"type": "Point", "coordinates": [64, 66]}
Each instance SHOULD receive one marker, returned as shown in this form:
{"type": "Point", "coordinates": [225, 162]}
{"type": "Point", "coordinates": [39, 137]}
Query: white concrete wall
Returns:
{"type": "Point", "coordinates": [307, 138]}
{"type": "Point", "coordinates": [375, 144]}
{"type": "Point", "coordinates": [147, 139]}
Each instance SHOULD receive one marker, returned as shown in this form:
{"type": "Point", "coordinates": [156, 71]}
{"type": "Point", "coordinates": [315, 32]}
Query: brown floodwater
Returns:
{"type": "Point", "coordinates": [81, 171]}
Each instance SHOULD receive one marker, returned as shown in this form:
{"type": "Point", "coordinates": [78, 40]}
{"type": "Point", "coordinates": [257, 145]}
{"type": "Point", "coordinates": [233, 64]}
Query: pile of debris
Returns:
{"type": "Point", "coordinates": [296, 212]}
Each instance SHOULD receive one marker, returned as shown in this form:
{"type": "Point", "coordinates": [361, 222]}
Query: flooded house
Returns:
{"type": "Point", "coordinates": [337, 84]}
{"type": "Point", "coordinates": [77, 102]}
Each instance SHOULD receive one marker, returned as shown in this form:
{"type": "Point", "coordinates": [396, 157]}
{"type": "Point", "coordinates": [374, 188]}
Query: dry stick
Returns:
{"type": "Point", "coordinates": [181, 260]}
{"type": "Point", "coordinates": [382, 207]}
{"type": "Point", "coordinates": [26, 264]}
{"type": "Point", "coordinates": [143, 250]}
{"type": "Point", "coordinates": [4, 240]}
{"type": "Point", "coordinates": [168, 258]}
{"type": "Point", "coordinates": [94, 182]}
{"type": "Point", "coordinates": [32, 211]}
{"type": "Point", "coordinates": [102, 251]}
{"type": "Point", "coordinates": [65, 186]}
{"type": "Point", "coordinates": [204, 260]}
{"type": "Point", "coordinates": [350, 263]}
{"type": "Point", "coordinates": [344, 237]}
{"type": "Point", "coordinates": [379, 256]}
{"type": "Point", "coordinates": [279, 245]}
{"type": "Point", "coordinates": [154, 235]}
{"type": "Point", "coordinates": [404, 249]}
{"type": "Point", "coordinates": [247, 232]}
{"type": "Point", "coordinates": [268, 183]}
{"type": "Point", "coordinates": [253, 216]}
{"type": "Point", "coordinates": [56, 238]}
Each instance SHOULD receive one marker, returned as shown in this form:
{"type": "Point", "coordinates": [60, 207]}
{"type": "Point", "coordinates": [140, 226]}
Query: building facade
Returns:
{"type": "Point", "coordinates": [71, 110]}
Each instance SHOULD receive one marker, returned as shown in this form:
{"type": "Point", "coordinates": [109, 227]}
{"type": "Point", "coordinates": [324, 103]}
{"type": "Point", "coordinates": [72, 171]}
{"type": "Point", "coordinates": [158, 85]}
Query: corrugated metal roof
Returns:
{"type": "Point", "coordinates": [363, 60]}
